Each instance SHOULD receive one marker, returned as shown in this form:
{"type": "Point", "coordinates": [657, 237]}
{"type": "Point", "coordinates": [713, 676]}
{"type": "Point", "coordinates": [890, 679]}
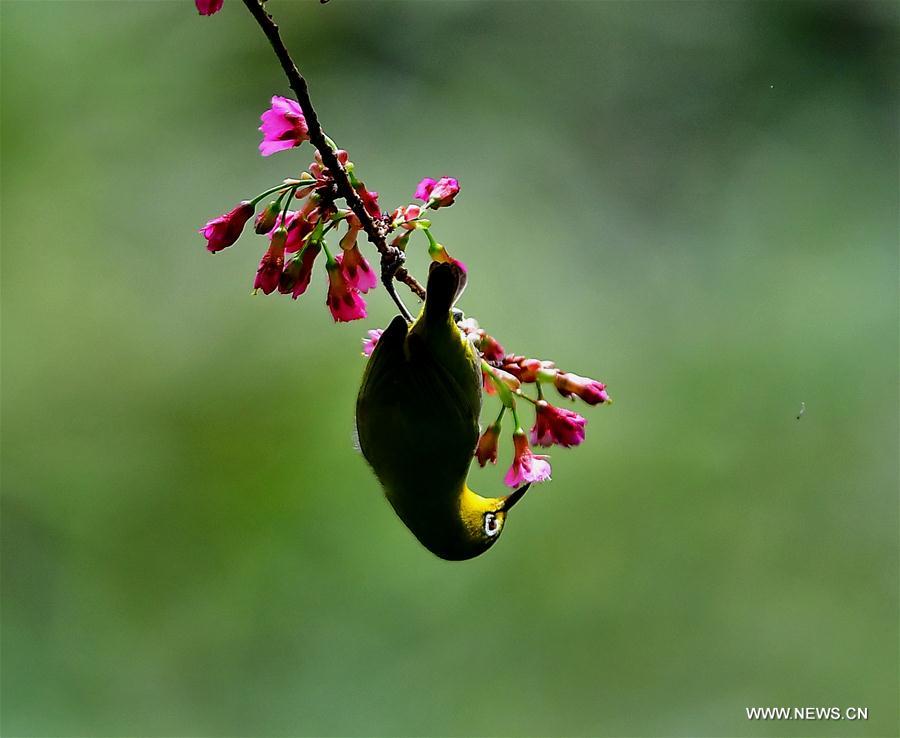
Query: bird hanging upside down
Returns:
{"type": "Point", "coordinates": [417, 419]}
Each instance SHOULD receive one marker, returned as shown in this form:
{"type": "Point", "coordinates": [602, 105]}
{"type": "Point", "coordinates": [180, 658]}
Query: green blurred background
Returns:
{"type": "Point", "coordinates": [694, 202]}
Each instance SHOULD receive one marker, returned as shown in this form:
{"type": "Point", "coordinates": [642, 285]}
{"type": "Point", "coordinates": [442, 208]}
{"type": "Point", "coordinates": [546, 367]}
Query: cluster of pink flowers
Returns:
{"type": "Point", "coordinates": [504, 374]}
{"type": "Point", "coordinates": [297, 236]}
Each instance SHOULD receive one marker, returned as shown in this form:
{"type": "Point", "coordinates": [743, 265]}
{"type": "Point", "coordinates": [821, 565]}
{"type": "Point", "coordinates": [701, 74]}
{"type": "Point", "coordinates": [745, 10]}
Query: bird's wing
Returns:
{"type": "Point", "coordinates": [388, 359]}
{"type": "Point", "coordinates": [414, 419]}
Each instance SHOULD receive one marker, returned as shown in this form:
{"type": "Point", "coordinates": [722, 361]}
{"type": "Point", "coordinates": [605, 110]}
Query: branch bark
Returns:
{"type": "Point", "coordinates": [391, 257]}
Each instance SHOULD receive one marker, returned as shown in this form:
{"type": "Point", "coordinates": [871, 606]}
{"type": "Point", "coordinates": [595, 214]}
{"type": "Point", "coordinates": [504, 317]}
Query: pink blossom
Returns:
{"type": "Point", "coordinates": [444, 193]}
{"type": "Point", "coordinates": [424, 188]}
{"type": "Point", "coordinates": [298, 272]}
{"type": "Point", "coordinates": [556, 425]}
{"type": "Point", "coordinates": [345, 303]}
{"type": "Point", "coordinates": [372, 341]}
{"type": "Point", "coordinates": [208, 7]}
{"type": "Point", "coordinates": [589, 390]}
{"type": "Point", "coordinates": [271, 264]}
{"type": "Point", "coordinates": [283, 126]}
{"type": "Point", "coordinates": [223, 231]}
{"type": "Point", "coordinates": [487, 445]}
{"type": "Point", "coordinates": [526, 466]}
{"type": "Point", "coordinates": [360, 276]}
{"type": "Point", "coordinates": [437, 194]}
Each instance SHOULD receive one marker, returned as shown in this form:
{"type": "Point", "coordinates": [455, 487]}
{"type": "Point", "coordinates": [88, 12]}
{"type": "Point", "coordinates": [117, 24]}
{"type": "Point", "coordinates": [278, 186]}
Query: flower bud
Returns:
{"type": "Point", "coordinates": [266, 220]}
{"type": "Point", "coordinates": [269, 272]}
{"type": "Point", "coordinates": [529, 370]}
{"type": "Point", "coordinates": [487, 445]}
{"type": "Point", "coordinates": [223, 231]}
{"type": "Point", "coordinates": [589, 390]}
{"type": "Point", "coordinates": [437, 194]}
{"type": "Point", "coordinates": [405, 217]}
{"type": "Point", "coordinates": [443, 193]}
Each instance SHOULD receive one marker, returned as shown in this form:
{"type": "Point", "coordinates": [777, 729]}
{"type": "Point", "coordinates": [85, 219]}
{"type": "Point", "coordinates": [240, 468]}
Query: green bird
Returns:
{"type": "Point", "coordinates": [417, 421]}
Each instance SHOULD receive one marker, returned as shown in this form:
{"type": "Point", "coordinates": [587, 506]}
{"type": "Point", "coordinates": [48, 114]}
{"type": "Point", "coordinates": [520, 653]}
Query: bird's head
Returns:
{"type": "Point", "coordinates": [479, 521]}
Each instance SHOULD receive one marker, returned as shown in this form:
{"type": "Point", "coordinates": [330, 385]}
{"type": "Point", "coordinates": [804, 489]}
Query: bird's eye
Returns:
{"type": "Point", "coordinates": [491, 524]}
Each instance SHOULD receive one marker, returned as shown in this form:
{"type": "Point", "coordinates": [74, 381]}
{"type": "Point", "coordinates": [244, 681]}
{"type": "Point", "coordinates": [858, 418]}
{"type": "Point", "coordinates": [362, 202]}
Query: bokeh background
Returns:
{"type": "Point", "coordinates": [694, 202]}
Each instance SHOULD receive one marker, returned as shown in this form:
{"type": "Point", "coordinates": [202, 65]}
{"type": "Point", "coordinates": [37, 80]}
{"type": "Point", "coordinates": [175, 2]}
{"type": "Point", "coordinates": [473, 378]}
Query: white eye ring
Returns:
{"type": "Point", "coordinates": [491, 524]}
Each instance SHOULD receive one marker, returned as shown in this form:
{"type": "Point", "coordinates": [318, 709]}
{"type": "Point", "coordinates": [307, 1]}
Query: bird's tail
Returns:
{"type": "Point", "coordinates": [445, 283]}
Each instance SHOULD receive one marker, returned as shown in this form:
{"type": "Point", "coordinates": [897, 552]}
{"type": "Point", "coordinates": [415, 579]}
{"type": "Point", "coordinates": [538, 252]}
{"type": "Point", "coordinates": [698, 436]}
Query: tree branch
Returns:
{"type": "Point", "coordinates": [391, 257]}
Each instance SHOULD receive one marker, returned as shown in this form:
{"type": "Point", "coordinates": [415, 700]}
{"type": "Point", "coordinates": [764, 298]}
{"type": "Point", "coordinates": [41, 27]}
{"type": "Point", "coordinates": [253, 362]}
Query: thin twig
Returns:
{"type": "Point", "coordinates": [391, 257]}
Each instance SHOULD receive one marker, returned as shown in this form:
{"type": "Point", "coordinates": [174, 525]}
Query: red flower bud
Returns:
{"type": "Point", "coordinates": [271, 264]}
{"type": "Point", "coordinates": [487, 445]}
{"type": "Point", "coordinates": [223, 231]}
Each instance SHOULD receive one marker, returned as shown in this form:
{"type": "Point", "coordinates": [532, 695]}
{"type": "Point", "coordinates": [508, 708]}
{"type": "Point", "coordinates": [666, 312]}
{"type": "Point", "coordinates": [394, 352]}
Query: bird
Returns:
{"type": "Point", "coordinates": [417, 423]}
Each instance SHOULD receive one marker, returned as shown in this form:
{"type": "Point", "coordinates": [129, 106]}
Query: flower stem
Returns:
{"type": "Point", "coordinates": [432, 241]}
{"type": "Point", "coordinates": [521, 394]}
{"type": "Point", "coordinates": [282, 186]}
{"type": "Point", "coordinates": [516, 417]}
{"type": "Point", "coordinates": [500, 415]}
{"type": "Point", "coordinates": [329, 259]}
{"type": "Point", "coordinates": [287, 206]}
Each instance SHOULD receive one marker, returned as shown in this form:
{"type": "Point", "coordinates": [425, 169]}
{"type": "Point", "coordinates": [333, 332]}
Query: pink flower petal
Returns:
{"type": "Point", "coordinates": [208, 7]}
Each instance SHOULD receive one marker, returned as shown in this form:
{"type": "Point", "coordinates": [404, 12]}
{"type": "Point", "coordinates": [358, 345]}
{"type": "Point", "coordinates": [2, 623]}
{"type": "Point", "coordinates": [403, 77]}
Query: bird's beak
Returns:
{"type": "Point", "coordinates": [513, 498]}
